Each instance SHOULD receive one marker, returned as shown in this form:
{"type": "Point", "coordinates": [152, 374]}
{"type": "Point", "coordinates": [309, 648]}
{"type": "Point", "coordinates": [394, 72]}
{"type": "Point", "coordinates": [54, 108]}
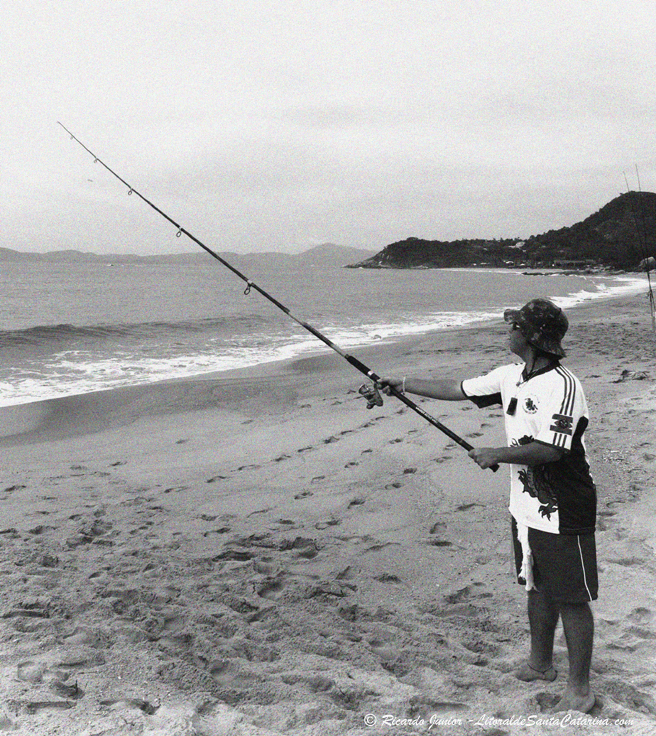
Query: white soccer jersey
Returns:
{"type": "Point", "coordinates": [550, 408]}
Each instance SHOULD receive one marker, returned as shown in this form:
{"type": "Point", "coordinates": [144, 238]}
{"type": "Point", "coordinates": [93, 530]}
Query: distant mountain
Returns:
{"type": "Point", "coordinates": [329, 253]}
{"type": "Point", "coordinates": [618, 236]}
{"type": "Point", "coordinates": [326, 255]}
{"type": "Point", "coordinates": [77, 256]}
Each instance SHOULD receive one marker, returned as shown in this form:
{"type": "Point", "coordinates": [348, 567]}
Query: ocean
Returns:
{"type": "Point", "coordinates": [71, 328]}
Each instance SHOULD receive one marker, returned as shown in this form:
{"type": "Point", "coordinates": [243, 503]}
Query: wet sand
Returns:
{"type": "Point", "coordinates": [256, 553]}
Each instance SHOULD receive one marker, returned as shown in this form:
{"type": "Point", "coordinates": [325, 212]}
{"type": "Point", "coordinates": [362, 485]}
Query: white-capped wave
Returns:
{"type": "Point", "coordinates": [621, 285]}
{"type": "Point", "coordinates": [78, 371]}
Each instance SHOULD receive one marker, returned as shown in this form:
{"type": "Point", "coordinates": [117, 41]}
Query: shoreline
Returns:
{"type": "Point", "coordinates": [26, 419]}
{"type": "Point", "coordinates": [256, 553]}
{"type": "Point", "coordinates": [319, 349]}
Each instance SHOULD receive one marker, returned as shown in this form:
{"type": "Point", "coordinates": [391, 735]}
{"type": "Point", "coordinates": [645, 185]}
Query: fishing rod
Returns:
{"type": "Point", "coordinates": [252, 285]}
{"type": "Point", "coordinates": [652, 305]}
{"type": "Point", "coordinates": [642, 245]}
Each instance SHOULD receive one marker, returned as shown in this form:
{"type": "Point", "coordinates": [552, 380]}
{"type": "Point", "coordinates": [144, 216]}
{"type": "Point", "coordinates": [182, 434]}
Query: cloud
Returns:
{"type": "Point", "coordinates": [339, 120]}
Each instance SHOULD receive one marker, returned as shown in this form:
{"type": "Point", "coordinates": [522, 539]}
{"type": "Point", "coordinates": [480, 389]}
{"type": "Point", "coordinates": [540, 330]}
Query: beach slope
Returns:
{"type": "Point", "coordinates": [256, 553]}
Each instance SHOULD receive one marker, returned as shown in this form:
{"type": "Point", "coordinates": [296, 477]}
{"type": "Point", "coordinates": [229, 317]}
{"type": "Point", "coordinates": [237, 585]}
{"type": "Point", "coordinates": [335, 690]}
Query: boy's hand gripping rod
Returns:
{"type": "Point", "coordinates": [251, 285]}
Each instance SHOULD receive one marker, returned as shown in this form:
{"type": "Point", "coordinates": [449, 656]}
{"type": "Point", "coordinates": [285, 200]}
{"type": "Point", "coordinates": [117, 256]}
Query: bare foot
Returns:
{"type": "Point", "coordinates": [528, 673]}
{"type": "Point", "coordinates": [571, 701]}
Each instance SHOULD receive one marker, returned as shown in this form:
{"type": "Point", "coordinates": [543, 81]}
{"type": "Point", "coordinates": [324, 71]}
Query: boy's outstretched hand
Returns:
{"type": "Point", "coordinates": [385, 383]}
{"type": "Point", "coordinates": [485, 457]}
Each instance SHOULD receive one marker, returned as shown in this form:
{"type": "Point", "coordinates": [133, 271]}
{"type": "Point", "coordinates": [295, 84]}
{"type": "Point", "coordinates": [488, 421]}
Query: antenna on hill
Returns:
{"type": "Point", "coordinates": [646, 260]}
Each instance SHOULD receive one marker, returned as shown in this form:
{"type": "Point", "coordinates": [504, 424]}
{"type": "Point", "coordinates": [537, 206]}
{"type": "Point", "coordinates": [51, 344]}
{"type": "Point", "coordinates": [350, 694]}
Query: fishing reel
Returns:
{"type": "Point", "coordinates": [371, 394]}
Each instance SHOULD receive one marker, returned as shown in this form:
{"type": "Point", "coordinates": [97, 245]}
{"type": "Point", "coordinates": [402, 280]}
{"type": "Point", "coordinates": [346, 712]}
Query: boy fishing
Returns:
{"type": "Point", "coordinates": [552, 495]}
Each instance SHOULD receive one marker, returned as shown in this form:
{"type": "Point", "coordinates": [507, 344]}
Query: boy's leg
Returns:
{"type": "Point", "coordinates": [542, 618]}
{"type": "Point", "coordinates": [578, 625]}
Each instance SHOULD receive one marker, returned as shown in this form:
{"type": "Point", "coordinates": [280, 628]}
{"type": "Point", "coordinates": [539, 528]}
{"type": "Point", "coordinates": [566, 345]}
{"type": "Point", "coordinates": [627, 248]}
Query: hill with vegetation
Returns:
{"type": "Point", "coordinates": [618, 236]}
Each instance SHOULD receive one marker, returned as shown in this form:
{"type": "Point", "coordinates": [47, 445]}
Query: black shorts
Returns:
{"type": "Point", "coordinates": [564, 565]}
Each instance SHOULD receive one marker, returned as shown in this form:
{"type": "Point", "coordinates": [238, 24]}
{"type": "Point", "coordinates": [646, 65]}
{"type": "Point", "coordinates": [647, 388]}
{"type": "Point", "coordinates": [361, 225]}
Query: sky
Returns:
{"type": "Point", "coordinates": [265, 125]}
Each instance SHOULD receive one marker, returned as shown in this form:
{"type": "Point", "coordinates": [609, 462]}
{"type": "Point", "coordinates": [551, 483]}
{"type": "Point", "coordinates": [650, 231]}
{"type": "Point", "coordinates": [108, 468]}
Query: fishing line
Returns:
{"type": "Point", "coordinates": [252, 285]}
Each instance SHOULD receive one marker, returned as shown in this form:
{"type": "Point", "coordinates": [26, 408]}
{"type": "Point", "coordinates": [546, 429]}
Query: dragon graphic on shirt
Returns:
{"type": "Point", "coordinates": [536, 481]}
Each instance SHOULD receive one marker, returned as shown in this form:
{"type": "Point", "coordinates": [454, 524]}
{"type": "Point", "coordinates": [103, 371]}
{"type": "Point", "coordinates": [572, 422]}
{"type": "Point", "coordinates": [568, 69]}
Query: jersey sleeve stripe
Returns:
{"type": "Point", "coordinates": [568, 402]}
{"type": "Point", "coordinates": [569, 391]}
{"type": "Point", "coordinates": [559, 440]}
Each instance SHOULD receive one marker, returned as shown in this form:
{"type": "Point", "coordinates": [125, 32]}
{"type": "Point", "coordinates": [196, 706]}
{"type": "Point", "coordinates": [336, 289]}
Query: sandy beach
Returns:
{"type": "Point", "coordinates": [254, 553]}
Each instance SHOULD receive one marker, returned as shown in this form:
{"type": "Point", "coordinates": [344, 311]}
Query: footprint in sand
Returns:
{"type": "Point", "coordinates": [629, 561]}
{"type": "Point", "coordinates": [345, 574]}
{"type": "Point", "coordinates": [143, 705]}
{"type": "Point", "coordinates": [31, 671]}
{"type": "Point", "coordinates": [259, 511]}
{"type": "Point", "coordinates": [325, 524]}
{"type": "Point", "coordinates": [467, 593]}
{"type": "Point", "coordinates": [41, 528]}
{"type": "Point", "coordinates": [220, 530]}
{"type": "Point", "coordinates": [602, 524]}
{"type": "Point", "coordinates": [176, 489]}
{"type": "Point", "coordinates": [272, 588]}
{"type": "Point", "coordinates": [641, 615]}
{"type": "Point", "coordinates": [387, 578]}
{"type": "Point", "coordinates": [236, 555]}
{"type": "Point", "coordinates": [467, 506]}
{"type": "Point", "coordinates": [33, 707]}
{"type": "Point", "coordinates": [67, 690]}
{"type": "Point", "coordinates": [302, 547]}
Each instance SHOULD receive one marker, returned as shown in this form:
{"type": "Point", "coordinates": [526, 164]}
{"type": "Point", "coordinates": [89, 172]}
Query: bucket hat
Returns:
{"type": "Point", "coordinates": [542, 323]}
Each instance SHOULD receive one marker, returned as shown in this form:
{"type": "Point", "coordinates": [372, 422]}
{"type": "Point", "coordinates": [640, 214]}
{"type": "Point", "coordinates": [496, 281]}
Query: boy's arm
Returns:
{"type": "Point", "coordinates": [445, 389]}
{"type": "Point", "coordinates": [534, 453]}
